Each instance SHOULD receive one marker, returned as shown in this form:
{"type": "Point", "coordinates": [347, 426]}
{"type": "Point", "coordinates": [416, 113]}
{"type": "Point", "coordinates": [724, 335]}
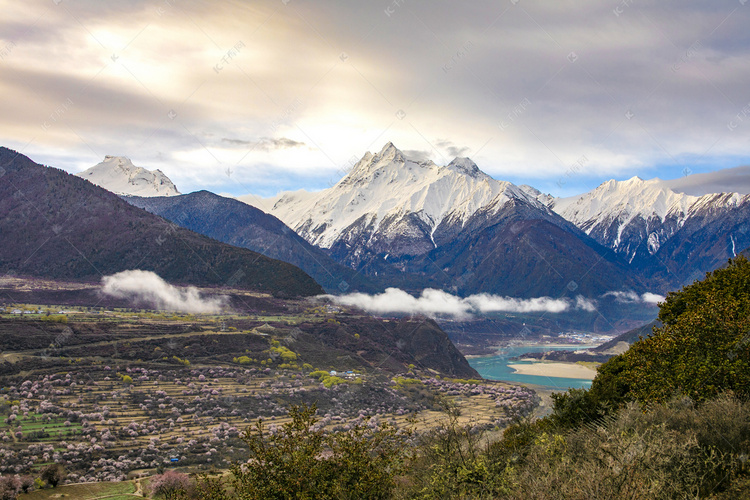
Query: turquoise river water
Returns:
{"type": "Point", "coordinates": [495, 367]}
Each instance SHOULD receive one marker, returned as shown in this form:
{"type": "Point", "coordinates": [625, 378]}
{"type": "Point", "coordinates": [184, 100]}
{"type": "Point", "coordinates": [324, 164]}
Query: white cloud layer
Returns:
{"type": "Point", "coordinates": [631, 297]}
{"type": "Point", "coordinates": [146, 287]}
{"type": "Point", "coordinates": [435, 303]}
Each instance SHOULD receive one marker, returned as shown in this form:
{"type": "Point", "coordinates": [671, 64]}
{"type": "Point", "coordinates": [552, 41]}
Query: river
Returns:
{"type": "Point", "coordinates": [496, 367]}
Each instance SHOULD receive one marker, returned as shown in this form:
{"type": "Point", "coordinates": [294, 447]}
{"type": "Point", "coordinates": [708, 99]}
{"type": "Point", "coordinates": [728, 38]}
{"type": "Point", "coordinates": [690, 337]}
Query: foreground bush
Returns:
{"type": "Point", "coordinates": [452, 461]}
{"type": "Point", "coordinates": [675, 450]}
{"type": "Point", "coordinates": [701, 350]}
{"type": "Point", "coordinates": [298, 460]}
{"type": "Point", "coordinates": [703, 347]}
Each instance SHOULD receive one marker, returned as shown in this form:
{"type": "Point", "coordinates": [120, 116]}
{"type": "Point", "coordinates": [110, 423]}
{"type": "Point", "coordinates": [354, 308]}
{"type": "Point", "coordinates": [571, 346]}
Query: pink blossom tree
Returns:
{"type": "Point", "coordinates": [171, 485]}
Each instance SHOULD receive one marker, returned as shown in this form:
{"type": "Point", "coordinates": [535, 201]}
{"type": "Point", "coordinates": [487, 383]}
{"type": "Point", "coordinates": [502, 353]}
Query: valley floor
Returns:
{"type": "Point", "coordinates": [110, 393]}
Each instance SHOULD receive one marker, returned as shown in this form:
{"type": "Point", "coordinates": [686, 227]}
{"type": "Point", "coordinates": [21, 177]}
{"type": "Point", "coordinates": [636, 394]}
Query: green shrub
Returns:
{"type": "Point", "coordinates": [319, 374]}
{"type": "Point", "coordinates": [701, 350]}
{"type": "Point", "coordinates": [181, 361]}
{"type": "Point", "coordinates": [299, 461]}
{"type": "Point", "coordinates": [284, 353]}
{"type": "Point", "coordinates": [453, 462]}
{"type": "Point", "coordinates": [703, 347]}
{"type": "Point", "coordinates": [670, 451]}
{"type": "Point", "coordinates": [55, 318]}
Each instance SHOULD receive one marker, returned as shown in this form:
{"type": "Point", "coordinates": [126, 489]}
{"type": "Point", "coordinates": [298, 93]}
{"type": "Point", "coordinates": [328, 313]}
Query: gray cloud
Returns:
{"type": "Point", "coordinates": [267, 143]}
{"type": "Point", "coordinates": [452, 150]}
{"type": "Point", "coordinates": [530, 87]}
{"type": "Point", "coordinates": [417, 154]}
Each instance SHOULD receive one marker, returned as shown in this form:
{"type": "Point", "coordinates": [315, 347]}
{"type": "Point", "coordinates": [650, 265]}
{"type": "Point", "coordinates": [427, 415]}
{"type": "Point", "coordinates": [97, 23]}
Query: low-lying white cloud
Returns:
{"type": "Point", "coordinates": [493, 303]}
{"type": "Point", "coordinates": [146, 287]}
{"type": "Point", "coordinates": [631, 297]}
{"type": "Point", "coordinates": [652, 298]}
{"type": "Point", "coordinates": [433, 303]}
{"type": "Point", "coordinates": [585, 304]}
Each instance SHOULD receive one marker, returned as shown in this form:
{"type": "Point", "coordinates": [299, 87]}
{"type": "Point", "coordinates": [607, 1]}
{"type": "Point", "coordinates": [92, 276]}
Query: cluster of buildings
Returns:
{"type": "Point", "coordinates": [583, 338]}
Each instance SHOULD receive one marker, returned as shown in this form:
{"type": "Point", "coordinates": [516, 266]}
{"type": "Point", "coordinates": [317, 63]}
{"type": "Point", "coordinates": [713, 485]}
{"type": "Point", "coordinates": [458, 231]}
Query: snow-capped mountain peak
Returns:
{"type": "Point", "coordinates": [384, 190]}
{"type": "Point", "coordinates": [636, 217]}
{"type": "Point", "coordinates": [545, 199]}
{"type": "Point", "coordinates": [465, 166]}
{"type": "Point", "coordinates": [119, 175]}
{"type": "Point", "coordinates": [390, 153]}
{"type": "Point", "coordinates": [624, 200]}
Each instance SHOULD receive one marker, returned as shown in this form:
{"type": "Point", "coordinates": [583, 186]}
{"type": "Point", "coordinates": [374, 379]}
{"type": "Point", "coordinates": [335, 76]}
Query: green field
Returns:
{"type": "Point", "coordinates": [37, 422]}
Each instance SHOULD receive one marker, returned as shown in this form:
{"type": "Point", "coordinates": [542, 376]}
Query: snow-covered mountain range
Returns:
{"type": "Point", "coordinates": [390, 208]}
{"type": "Point", "coordinates": [119, 175]}
{"type": "Point", "coordinates": [416, 224]}
{"type": "Point", "coordinates": [394, 205]}
{"type": "Point", "coordinates": [636, 218]}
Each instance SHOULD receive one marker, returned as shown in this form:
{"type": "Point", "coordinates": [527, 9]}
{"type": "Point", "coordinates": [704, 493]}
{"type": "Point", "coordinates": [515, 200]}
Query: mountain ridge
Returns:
{"type": "Point", "coordinates": [395, 185]}
{"type": "Point", "coordinates": [407, 221]}
{"type": "Point", "coordinates": [661, 232]}
{"type": "Point", "coordinates": [239, 224]}
{"type": "Point", "coordinates": [56, 225]}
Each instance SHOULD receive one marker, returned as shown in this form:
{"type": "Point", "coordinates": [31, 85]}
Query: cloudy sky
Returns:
{"type": "Point", "coordinates": [255, 97]}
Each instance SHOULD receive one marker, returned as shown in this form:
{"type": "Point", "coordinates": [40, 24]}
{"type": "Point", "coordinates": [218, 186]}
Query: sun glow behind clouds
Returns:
{"type": "Point", "coordinates": [345, 78]}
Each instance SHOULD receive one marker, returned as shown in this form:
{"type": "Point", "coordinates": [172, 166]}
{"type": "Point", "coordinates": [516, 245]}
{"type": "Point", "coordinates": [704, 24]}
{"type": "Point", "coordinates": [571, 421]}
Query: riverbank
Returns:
{"type": "Point", "coordinates": [498, 349]}
{"type": "Point", "coordinates": [498, 367]}
{"type": "Point", "coordinates": [554, 369]}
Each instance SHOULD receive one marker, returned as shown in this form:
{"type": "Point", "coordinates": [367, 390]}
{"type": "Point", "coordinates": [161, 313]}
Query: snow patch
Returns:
{"type": "Point", "coordinates": [119, 175]}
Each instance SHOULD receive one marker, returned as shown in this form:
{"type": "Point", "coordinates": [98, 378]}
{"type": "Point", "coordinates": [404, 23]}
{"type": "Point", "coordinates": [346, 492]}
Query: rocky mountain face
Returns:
{"type": "Point", "coordinates": [671, 237]}
{"type": "Point", "coordinates": [517, 251]}
{"type": "Point", "coordinates": [119, 175]}
{"type": "Point", "coordinates": [416, 224]}
{"type": "Point", "coordinates": [58, 226]}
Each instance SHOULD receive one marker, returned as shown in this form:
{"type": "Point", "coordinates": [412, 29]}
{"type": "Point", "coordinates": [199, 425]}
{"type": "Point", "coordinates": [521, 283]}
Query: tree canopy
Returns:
{"type": "Point", "coordinates": [703, 345]}
{"type": "Point", "coordinates": [702, 349]}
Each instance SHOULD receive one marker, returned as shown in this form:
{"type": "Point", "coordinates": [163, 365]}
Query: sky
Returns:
{"type": "Point", "coordinates": [257, 97]}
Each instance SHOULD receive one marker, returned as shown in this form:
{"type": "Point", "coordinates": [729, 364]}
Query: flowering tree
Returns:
{"type": "Point", "coordinates": [171, 485]}
{"type": "Point", "coordinates": [9, 487]}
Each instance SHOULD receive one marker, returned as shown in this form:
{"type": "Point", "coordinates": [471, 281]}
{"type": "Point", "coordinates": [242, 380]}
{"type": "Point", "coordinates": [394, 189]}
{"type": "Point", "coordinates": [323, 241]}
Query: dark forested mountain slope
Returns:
{"type": "Point", "coordinates": [56, 225]}
{"type": "Point", "coordinates": [243, 225]}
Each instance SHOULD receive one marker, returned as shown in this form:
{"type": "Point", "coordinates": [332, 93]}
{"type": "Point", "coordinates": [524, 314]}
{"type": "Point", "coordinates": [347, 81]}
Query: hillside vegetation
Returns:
{"type": "Point", "coordinates": [668, 419]}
